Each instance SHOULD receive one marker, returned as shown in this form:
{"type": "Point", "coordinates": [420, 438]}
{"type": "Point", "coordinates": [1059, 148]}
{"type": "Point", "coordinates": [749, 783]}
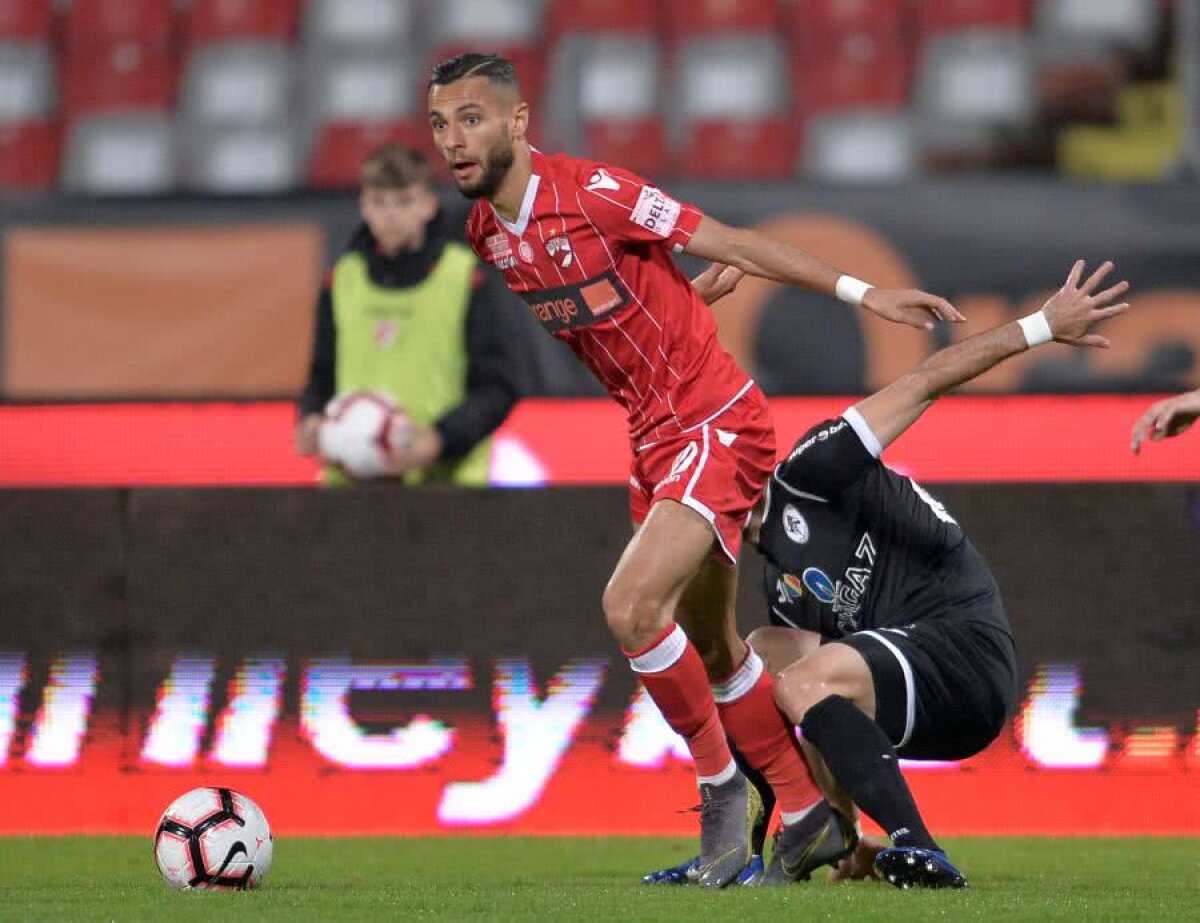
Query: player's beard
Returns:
{"type": "Point", "coordinates": [493, 170]}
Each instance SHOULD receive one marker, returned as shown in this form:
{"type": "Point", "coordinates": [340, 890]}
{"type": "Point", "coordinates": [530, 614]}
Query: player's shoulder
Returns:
{"type": "Point", "coordinates": [593, 175]}
{"type": "Point", "coordinates": [816, 436]}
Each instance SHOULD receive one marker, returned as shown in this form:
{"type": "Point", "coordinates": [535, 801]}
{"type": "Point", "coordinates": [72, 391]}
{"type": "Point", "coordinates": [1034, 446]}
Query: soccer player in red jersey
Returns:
{"type": "Point", "coordinates": [588, 247]}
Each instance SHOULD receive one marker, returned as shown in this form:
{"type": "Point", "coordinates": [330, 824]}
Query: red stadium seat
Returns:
{"type": "Point", "coordinates": [728, 149]}
{"type": "Point", "coordinates": [123, 80]}
{"type": "Point", "coordinates": [341, 147]}
{"type": "Point", "coordinates": [93, 26]}
{"type": "Point", "coordinates": [25, 20]}
{"type": "Point", "coordinates": [820, 21]}
{"type": "Point", "coordinates": [29, 154]}
{"type": "Point", "coordinates": [704, 17]}
{"type": "Point", "coordinates": [638, 144]}
{"type": "Point", "coordinates": [210, 21]}
{"type": "Point", "coordinates": [855, 72]}
{"type": "Point", "coordinates": [567, 16]}
{"type": "Point", "coordinates": [953, 15]}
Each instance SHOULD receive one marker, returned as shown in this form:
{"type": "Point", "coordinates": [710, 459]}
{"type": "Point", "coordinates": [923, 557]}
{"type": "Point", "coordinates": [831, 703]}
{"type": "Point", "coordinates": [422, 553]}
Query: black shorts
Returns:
{"type": "Point", "coordinates": [943, 686]}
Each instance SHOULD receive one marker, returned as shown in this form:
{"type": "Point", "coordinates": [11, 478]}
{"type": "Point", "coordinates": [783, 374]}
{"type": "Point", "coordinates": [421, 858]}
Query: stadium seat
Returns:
{"type": "Point", "coordinates": [209, 21]}
{"type": "Point", "coordinates": [694, 18]}
{"type": "Point", "coordinates": [26, 81]}
{"type": "Point", "coordinates": [91, 27]}
{"type": "Point", "coordinates": [496, 23]}
{"type": "Point", "coordinates": [378, 87]}
{"type": "Point", "coordinates": [860, 147]}
{"type": "Point", "coordinates": [732, 98]}
{"type": "Point", "coordinates": [934, 16]}
{"type": "Point", "coordinates": [122, 80]}
{"type": "Point", "coordinates": [360, 23]}
{"type": "Point", "coordinates": [637, 144]}
{"type": "Point", "coordinates": [245, 83]}
{"type": "Point", "coordinates": [252, 160]}
{"type": "Point", "coordinates": [605, 94]}
{"type": "Point", "coordinates": [569, 17]}
{"type": "Point", "coordinates": [819, 22]}
{"type": "Point", "coordinates": [25, 20]}
{"type": "Point", "coordinates": [340, 148]}
{"type": "Point", "coordinates": [120, 155]}
{"type": "Point", "coordinates": [973, 89]}
{"type": "Point", "coordinates": [1072, 26]}
{"type": "Point", "coordinates": [853, 72]}
{"type": "Point", "coordinates": [29, 155]}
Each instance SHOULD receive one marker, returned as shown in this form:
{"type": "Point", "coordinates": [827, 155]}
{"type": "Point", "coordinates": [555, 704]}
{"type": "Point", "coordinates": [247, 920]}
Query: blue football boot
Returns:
{"type": "Point", "coordinates": [917, 867]}
{"type": "Point", "coordinates": [685, 873]}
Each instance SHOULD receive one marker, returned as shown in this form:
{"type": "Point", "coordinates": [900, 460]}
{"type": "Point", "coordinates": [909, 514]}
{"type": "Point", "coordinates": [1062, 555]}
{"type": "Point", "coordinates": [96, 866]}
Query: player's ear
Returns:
{"type": "Point", "coordinates": [519, 122]}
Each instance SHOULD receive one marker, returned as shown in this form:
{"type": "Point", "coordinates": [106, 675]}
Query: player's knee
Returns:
{"type": "Point", "coordinates": [801, 686]}
{"type": "Point", "coordinates": [635, 617]}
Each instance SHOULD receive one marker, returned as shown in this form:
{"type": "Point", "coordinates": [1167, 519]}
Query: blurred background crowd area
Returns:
{"type": "Point", "coordinates": [265, 96]}
{"type": "Point", "coordinates": [176, 176]}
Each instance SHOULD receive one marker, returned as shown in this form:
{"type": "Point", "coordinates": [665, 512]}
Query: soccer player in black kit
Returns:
{"type": "Point", "coordinates": [889, 636]}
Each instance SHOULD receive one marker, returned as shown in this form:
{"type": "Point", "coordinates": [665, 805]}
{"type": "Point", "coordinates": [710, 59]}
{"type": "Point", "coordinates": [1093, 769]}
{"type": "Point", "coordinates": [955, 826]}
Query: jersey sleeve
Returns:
{"type": "Point", "coordinates": [830, 457]}
{"type": "Point", "coordinates": [625, 207]}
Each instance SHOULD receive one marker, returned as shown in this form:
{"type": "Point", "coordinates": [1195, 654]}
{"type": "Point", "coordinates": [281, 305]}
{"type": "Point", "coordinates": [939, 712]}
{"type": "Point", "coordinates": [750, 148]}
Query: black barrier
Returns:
{"type": "Point", "coordinates": [1103, 576]}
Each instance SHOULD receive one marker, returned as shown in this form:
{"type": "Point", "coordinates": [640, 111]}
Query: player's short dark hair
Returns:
{"type": "Point", "coordinates": [499, 71]}
{"type": "Point", "coordinates": [395, 166]}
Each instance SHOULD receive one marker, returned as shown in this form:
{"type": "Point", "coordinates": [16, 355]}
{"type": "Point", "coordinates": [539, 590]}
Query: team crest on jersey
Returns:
{"type": "Point", "coordinates": [386, 332]}
{"type": "Point", "coordinates": [525, 251]}
{"type": "Point", "coordinates": [795, 526]}
{"type": "Point", "coordinates": [501, 251]}
{"type": "Point", "coordinates": [559, 249]}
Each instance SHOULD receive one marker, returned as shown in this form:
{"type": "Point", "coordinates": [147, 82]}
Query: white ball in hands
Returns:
{"type": "Point", "coordinates": [360, 430]}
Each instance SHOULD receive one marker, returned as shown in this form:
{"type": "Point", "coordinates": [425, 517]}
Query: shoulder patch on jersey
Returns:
{"type": "Point", "coordinates": [656, 211]}
{"type": "Point", "coordinates": [601, 179]}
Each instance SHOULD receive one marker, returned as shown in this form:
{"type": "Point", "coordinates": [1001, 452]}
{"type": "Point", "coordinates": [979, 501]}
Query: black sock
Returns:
{"type": "Point", "coordinates": [759, 781]}
{"type": "Point", "coordinates": [864, 763]}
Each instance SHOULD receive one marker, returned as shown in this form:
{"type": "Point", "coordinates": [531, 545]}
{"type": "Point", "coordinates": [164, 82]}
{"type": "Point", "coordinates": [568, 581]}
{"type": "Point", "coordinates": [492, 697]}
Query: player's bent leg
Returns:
{"type": "Point", "coordinates": [831, 694]}
{"type": "Point", "coordinates": [780, 647]}
{"type": "Point", "coordinates": [639, 603]}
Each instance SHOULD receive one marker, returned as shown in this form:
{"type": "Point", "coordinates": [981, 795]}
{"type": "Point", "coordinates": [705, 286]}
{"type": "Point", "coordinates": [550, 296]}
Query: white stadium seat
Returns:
{"type": "Point", "coordinates": [238, 83]}
{"type": "Point", "coordinates": [360, 23]}
{"type": "Point", "coordinates": [861, 147]}
{"type": "Point", "coordinates": [360, 87]}
{"type": "Point", "coordinates": [26, 81]}
{"type": "Point", "coordinates": [1100, 25]}
{"type": "Point", "coordinates": [734, 77]}
{"type": "Point", "coordinates": [120, 155]}
{"type": "Point", "coordinates": [244, 160]}
{"type": "Point", "coordinates": [497, 23]}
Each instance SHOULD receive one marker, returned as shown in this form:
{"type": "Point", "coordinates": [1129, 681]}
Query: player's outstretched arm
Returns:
{"type": "Point", "coordinates": [1065, 318]}
{"type": "Point", "coordinates": [716, 281]}
{"type": "Point", "coordinates": [758, 255]}
{"type": "Point", "coordinates": [1166, 418]}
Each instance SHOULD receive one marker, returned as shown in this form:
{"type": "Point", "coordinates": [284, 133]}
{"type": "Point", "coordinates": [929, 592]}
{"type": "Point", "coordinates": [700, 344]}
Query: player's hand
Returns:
{"type": "Point", "coordinates": [415, 448]}
{"type": "Point", "coordinates": [305, 435]}
{"type": "Point", "coordinates": [910, 306]}
{"type": "Point", "coordinates": [1074, 308]}
{"type": "Point", "coordinates": [1166, 418]}
{"type": "Point", "coordinates": [717, 281]}
{"type": "Point", "coordinates": [860, 864]}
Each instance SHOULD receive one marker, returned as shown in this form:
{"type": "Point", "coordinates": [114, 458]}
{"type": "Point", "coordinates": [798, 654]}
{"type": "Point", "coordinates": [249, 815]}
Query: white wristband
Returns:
{"type": "Point", "coordinates": [851, 290]}
{"type": "Point", "coordinates": [1036, 329]}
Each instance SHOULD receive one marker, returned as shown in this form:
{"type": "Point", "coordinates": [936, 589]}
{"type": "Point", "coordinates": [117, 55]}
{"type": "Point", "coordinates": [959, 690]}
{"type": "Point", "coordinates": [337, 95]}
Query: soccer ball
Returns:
{"type": "Point", "coordinates": [359, 429]}
{"type": "Point", "coordinates": [213, 839]}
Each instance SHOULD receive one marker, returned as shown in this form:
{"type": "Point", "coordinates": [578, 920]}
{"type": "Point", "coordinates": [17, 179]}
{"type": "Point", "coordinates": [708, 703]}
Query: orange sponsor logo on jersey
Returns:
{"type": "Point", "coordinates": [564, 310]}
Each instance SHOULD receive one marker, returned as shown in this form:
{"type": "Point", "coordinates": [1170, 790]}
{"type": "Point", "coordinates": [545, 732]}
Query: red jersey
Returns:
{"type": "Point", "coordinates": [590, 255]}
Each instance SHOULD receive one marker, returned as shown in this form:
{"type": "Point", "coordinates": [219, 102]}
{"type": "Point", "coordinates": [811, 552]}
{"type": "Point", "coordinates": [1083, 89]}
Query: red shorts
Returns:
{"type": "Point", "coordinates": [719, 469]}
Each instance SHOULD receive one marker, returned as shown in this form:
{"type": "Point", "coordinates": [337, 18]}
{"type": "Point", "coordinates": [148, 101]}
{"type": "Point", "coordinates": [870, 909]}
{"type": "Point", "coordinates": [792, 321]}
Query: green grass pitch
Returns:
{"type": "Point", "coordinates": [526, 879]}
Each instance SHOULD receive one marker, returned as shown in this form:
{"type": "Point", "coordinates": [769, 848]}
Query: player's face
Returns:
{"type": "Point", "coordinates": [397, 217]}
{"type": "Point", "coordinates": [474, 125]}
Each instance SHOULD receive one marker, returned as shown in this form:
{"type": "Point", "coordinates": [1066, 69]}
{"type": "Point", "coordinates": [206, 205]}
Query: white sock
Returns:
{"type": "Point", "coordinates": [792, 817]}
{"type": "Point", "coordinates": [721, 777]}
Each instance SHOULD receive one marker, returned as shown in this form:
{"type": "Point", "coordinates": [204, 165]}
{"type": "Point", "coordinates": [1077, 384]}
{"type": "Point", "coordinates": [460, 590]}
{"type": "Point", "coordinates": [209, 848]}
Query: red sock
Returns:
{"type": "Point", "coordinates": [763, 734]}
{"type": "Point", "coordinates": [674, 675]}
